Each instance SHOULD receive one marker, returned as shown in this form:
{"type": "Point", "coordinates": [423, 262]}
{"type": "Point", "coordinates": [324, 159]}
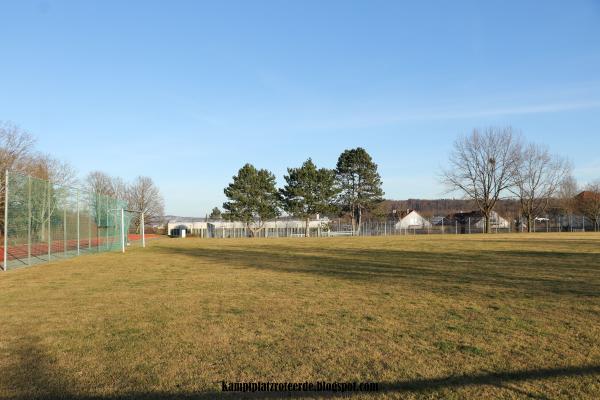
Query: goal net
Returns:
{"type": "Point", "coordinates": [43, 221]}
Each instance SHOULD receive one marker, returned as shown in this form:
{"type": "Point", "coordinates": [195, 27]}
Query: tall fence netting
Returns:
{"type": "Point", "coordinates": [46, 222]}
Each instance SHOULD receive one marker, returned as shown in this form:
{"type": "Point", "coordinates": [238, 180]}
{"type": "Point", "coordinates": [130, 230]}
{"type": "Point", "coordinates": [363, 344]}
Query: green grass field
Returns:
{"type": "Point", "coordinates": [509, 316]}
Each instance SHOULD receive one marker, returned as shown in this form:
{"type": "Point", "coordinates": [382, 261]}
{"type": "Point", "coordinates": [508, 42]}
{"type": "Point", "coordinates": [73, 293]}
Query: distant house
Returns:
{"type": "Point", "coordinates": [410, 219]}
{"type": "Point", "coordinates": [476, 220]}
{"type": "Point", "coordinates": [437, 220]}
{"type": "Point", "coordinates": [586, 196]}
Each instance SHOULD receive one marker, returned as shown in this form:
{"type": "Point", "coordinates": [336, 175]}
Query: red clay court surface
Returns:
{"type": "Point", "coordinates": [40, 250]}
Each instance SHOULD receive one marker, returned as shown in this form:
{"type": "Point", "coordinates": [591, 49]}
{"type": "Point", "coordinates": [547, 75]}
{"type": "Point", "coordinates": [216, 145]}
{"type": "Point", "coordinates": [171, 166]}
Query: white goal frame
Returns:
{"type": "Point", "coordinates": [123, 233]}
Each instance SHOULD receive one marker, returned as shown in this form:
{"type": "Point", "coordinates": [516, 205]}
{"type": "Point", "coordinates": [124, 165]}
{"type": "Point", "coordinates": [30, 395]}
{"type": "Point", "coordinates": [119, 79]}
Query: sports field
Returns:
{"type": "Point", "coordinates": [509, 316]}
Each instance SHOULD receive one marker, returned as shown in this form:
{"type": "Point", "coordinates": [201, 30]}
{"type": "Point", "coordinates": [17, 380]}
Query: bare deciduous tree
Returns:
{"type": "Point", "coordinates": [15, 146]}
{"type": "Point", "coordinates": [143, 195]}
{"type": "Point", "coordinates": [120, 189]}
{"type": "Point", "coordinates": [15, 149]}
{"type": "Point", "coordinates": [43, 166]}
{"type": "Point", "coordinates": [47, 196]}
{"type": "Point", "coordinates": [100, 182]}
{"type": "Point", "coordinates": [567, 190]}
{"type": "Point", "coordinates": [483, 166]}
{"type": "Point", "coordinates": [589, 202]}
{"type": "Point", "coordinates": [16, 154]}
{"type": "Point", "coordinates": [537, 180]}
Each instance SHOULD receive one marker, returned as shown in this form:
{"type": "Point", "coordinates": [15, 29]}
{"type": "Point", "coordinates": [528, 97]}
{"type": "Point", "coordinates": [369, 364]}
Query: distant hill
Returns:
{"type": "Point", "coordinates": [441, 207]}
{"type": "Point", "coordinates": [426, 207]}
{"type": "Point", "coordinates": [180, 218]}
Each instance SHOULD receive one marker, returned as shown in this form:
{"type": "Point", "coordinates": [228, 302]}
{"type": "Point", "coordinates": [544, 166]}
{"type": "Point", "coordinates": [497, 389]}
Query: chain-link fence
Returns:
{"type": "Point", "coordinates": [560, 223]}
{"type": "Point", "coordinates": [44, 222]}
{"type": "Point", "coordinates": [423, 226]}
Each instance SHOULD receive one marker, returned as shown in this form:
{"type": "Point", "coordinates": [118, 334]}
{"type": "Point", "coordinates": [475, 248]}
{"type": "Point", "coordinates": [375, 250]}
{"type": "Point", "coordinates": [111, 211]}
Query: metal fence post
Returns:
{"type": "Point", "coordinates": [28, 220]}
{"type": "Point", "coordinates": [65, 231]}
{"type": "Point", "coordinates": [89, 228]}
{"type": "Point", "coordinates": [77, 201]}
{"type": "Point", "coordinates": [49, 225]}
{"type": "Point", "coordinates": [5, 259]}
{"type": "Point", "coordinates": [122, 230]}
{"type": "Point", "coordinates": [107, 223]}
{"type": "Point", "coordinates": [144, 231]}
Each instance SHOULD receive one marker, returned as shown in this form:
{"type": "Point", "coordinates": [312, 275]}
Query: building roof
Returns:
{"type": "Point", "coordinates": [403, 213]}
{"type": "Point", "coordinates": [587, 195]}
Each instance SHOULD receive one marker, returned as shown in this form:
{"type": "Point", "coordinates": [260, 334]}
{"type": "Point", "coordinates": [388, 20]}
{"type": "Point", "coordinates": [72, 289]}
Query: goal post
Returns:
{"type": "Point", "coordinates": [126, 216]}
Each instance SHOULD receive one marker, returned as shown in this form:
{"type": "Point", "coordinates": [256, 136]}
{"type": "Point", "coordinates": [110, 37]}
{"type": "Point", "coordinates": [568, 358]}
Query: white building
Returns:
{"type": "Point", "coordinates": [174, 227]}
{"type": "Point", "coordinates": [496, 221]}
{"type": "Point", "coordinates": [221, 228]}
{"type": "Point", "coordinates": [296, 224]}
{"type": "Point", "coordinates": [412, 220]}
{"type": "Point", "coordinates": [476, 220]}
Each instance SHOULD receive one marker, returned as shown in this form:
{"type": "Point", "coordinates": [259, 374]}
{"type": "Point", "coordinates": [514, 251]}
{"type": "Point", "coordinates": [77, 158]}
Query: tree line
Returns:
{"type": "Point", "coordinates": [354, 186]}
{"type": "Point", "coordinates": [493, 168]}
{"type": "Point", "coordinates": [18, 154]}
{"type": "Point", "coordinates": [391, 210]}
{"type": "Point", "coordinates": [496, 163]}
{"type": "Point", "coordinates": [141, 195]}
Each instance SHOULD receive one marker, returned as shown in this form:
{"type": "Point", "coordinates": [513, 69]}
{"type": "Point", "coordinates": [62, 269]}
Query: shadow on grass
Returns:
{"type": "Point", "coordinates": [34, 375]}
{"type": "Point", "coordinates": [530, 271]}
{"type": "Point", "coordinates": [33, 371]}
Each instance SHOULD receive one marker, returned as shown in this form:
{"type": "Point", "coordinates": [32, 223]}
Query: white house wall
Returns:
{"type": "Point", "coordinates": [287, 224]}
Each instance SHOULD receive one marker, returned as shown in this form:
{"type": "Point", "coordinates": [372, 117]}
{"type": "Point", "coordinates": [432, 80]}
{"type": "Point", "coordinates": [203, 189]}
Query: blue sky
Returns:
{"type": "Point", "coordinates": [187, 92]}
